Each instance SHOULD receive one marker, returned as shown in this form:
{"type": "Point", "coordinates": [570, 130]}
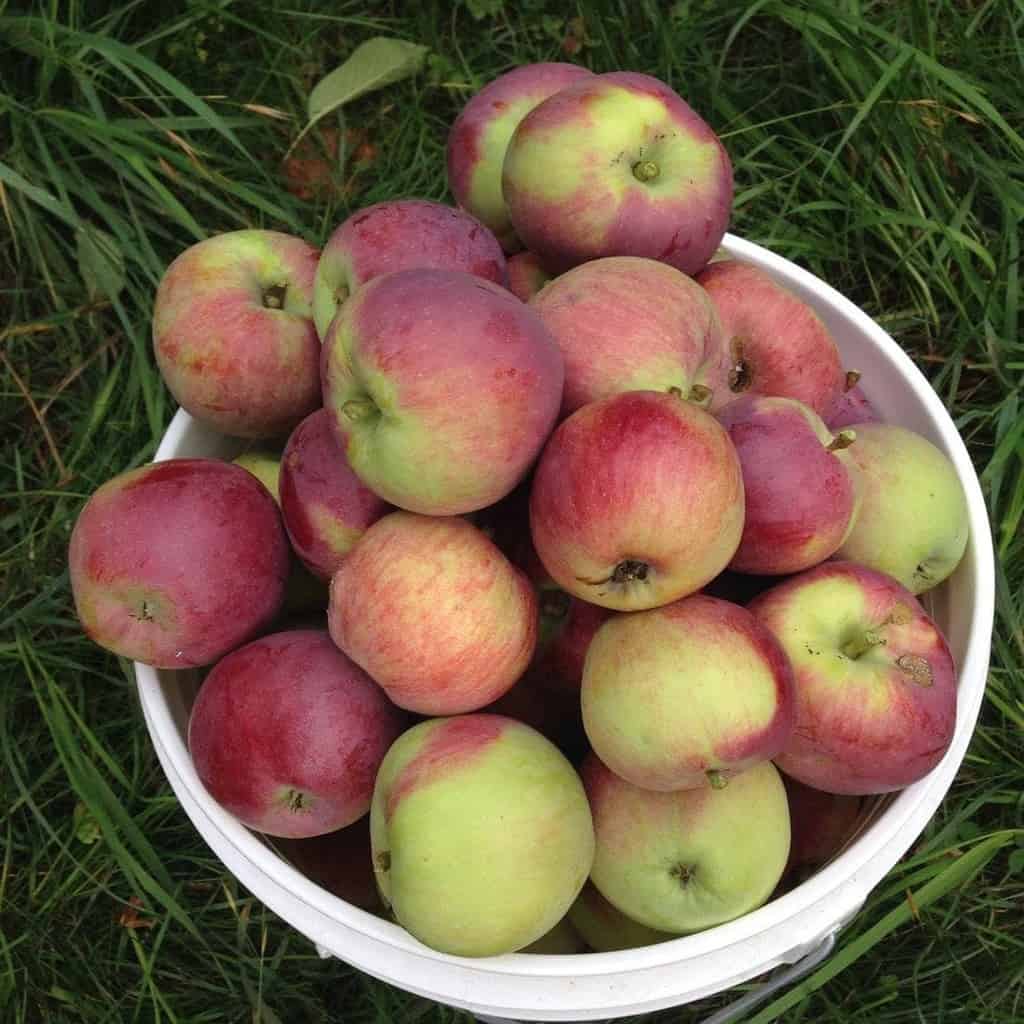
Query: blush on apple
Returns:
{"type": "Point", "coordinates": [875, 683]}
{"type": "Point", "coordinates": [526, 276]}
{"type": "Point", "coordinates": [637, 500]}
{"type": "Point", "coordinates": [287, 734]}
{"type": "Point", "coordinates": [852, 406]}
{"type": "Point", "coordinates": [176, 563]}
{"type": "Point", "coordinates": [233, 332]}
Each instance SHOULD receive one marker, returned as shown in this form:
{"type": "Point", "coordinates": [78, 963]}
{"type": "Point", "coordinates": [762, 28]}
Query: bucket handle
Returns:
{"type": "Point", "coordinates": [756, 996]}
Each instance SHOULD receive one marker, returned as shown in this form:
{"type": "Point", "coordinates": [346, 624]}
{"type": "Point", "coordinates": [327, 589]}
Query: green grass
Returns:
{"type": "Point", "coordinates": [878, 144]}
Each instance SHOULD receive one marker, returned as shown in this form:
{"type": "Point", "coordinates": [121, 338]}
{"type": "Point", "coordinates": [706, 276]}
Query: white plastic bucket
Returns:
{"type": "Point", "coordinates": [603, 985]}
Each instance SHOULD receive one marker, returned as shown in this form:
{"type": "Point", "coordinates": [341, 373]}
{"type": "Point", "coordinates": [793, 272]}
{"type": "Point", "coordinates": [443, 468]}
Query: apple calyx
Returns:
{"type": "Point", "coordinates": [700, 395]}
{"type": "Point", "coordinates": [646, 170]}
{"type": "Point", "coordinates": [629, 570]}
{"type": "Point", "coordinates": [355, 410]}
{"type": "Point", "coordinates": [740, 374]}
{"type": "Point", "coordinates": [716, 779]}
{"type": "Point", "coordinates": [842, 440]}
{"type": "Point", "coordinates": [683, 873]}
{"type": "Point", "coordinates": [274, 296]}
{"type": "Point", "coordinates": [861, 644]}
{"type": "Point", "coordinates": [384, 860]}
{"type": "Point", "coordinates": [852, 376]}
{"type": "Point", "coordinates": [297, 801]}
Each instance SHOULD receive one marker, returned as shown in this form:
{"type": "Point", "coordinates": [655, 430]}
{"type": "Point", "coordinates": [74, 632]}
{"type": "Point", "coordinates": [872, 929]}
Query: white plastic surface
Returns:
{"type": "Point", "coordinates": [603, 985]}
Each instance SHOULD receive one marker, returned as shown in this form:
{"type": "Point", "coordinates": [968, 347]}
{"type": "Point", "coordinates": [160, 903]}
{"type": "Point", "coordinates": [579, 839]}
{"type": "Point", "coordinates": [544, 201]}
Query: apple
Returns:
{"type": "Point", "coordinates": [265, 465]}
{"type": "Point", "coordinates": [434, 612]}
{"type": "Point", "coordinates": [912, 522]}
{"type": "Point", "coordinates": [617, 165]}
{"type": "Point", "coordinates": [875, 683]}
{"type": "Point", "coordinates": [480, 135]}
{"type": "Point", "coordinates": [526, 276]}
{"type": "Point", "coordinates": [562, 940]}
{"type": "Point", "coordinates": [774, 343]}
{"type": "Point", "coordinates": [326, 508]}
{"type": "Point", "coordinates": [624, 323]}
{"type": "Point", "coordinates": [852, 406]}
{"type": "Point", "coordinates": [287, 734]}
{"type": "Point", "coordinates": [444, 387]}
{"type": "Point", "coordinates": [637, 500]}
{"type": "Point", "coordinates": [233, 332]}
{"type": "Point", "coordinates": [482, 835]}
{"type": "Point", "coordinates": [821, 824]}
{"type": "Point", "coordinates": [799, 482]}
{"type": "Point", "coordinates": [686, 695]}
{"type": "Point", "coordinates": [340, 862]}
{"type": "Point", "coordinates": [690, 859]}
{"type": "Point", "coordinates": [176, 563]}
{"type": "Point", "coordinates": [605, 929]}
{"type": "Point", "coordinates": [402, 234]}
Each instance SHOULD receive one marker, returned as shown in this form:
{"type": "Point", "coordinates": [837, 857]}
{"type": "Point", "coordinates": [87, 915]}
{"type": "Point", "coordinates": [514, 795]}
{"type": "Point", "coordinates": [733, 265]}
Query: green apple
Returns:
{"type": "Point", "coordinates": [605, 928]}
{"type": "Point", "coordinates": [912, 522]}
{"type": "Point", "coordinates": [691, 859]}
{"type": "Point", "coordinates": [481, 834]}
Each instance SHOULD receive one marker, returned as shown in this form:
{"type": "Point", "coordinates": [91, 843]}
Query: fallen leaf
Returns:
{"type": "Point", "coordinates": [129, 917]}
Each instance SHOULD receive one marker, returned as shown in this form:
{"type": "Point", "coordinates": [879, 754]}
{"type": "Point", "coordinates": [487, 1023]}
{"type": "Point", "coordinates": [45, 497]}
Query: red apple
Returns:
{"type": "Point", "coordinates": [629, 324]}
{"type": "Point", "coordinates": [526, 276]}
{"type": "Point", "coordinates": [875, 683]}
{"type": "Point", "coordinates": [434, 612]}
{"type": "Point", "coordinates": [799, 481]}
{"type": "Point", "coordinates": [325, 506]}
{"type": "Point", "coordinates": [287, 734]}
{"type": "Point", "coordinates": [403, 234]}
{"type": "Point", "coordinates": [617, 165]}
{"type": "Point", "coordinates": [637, 500]}
{"type": "Point", "coordinates": [775, 344]}
{"type": "Point", "coordinates": [821, 824]}
{"type": "Point", "coordinates": [480, 135]}
{"type": "Point", "coordinates": [233, 332]}
{"type": "Point", "coordinates": [176, 563]}
{"type": "Point", "coordinates": [444, 385]}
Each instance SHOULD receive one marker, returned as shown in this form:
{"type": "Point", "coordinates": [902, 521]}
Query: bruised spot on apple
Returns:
{"type": "Point", "coordinates": [646, 672]}
{"type": "Point", "coordinates": [875, 683]}
{"type": "Point", "coordinates": [403, 234]}
{"type": "Point", "coordinates": [479, 812]}
{"type": "Point", "coordinates": [637, 500]}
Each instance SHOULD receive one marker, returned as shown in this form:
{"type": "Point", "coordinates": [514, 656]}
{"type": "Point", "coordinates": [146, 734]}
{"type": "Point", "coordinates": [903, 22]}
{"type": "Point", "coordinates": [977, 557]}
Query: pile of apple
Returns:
{"type": "Point", "coordinates": [543, 490]}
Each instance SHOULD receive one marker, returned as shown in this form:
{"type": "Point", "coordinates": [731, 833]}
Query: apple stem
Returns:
{"type": "Point", "coordinates": [700, 395]}
{"type": "Point", "coordinates": [842, 440]}
{"type": "Point", "coordinates": [861, 644]}
{"type": "Point", "coordinates": [359, 409]}
{"type": "Point", "coordinates": [646, 170]}
{"type": "Point", "coordinates": [716, 779]}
